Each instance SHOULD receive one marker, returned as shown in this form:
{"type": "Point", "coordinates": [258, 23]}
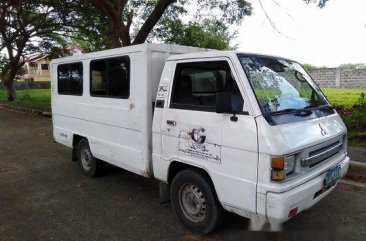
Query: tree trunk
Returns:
{"type": "Point", "coordinates": [152, 20]}
{"type": "Point", "coordinates": [9, 85]}
{"type": "Point", "coordinates": [8, 79]}
{"type": "Point", "coordinates": [114, 9]}
{"type": "Point", "coordinates": [114, 38]}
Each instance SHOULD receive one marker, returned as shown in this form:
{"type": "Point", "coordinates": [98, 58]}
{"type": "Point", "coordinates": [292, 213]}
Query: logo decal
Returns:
{"type": "Point", "coordinates": [198, 135]}
{"type": "Point", "coordinates": [193, 143]}
{"type": "Point", "coordinates": [162, 89]}
{"type": "Point", "coordinates": [162, 92]}
{"type": "Point", "coordinates": [322, 130]}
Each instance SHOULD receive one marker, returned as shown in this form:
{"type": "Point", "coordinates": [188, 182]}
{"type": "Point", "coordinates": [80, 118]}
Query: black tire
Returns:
{"type": "Point", "coordinates": [88, 164]}
{"type": "Point", "coordinates": [201, 198]}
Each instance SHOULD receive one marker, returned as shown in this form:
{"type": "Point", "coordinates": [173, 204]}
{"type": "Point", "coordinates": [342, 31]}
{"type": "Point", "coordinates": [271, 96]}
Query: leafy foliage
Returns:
{"type": "Point", "coordinates": [207, 34]}
{"type": "Point", "coordinates": [352, 66]}
{"type": "Point", "coordinates": [310, 67]}
{"type": "Point", "coordinates": [361, 102]}
{"type": "Point", "coordinates": [133, 20]}
{"type": "Point", "coordinates": [27, 27]}
{"type": "Point", "coordinates": [3, 61]}
{"type": "Point", "coordinates": [116, 23]}
{"type": "Point", "coordinates": [50, 25]}
{"type": "Point", "coordinates": [351, 106]}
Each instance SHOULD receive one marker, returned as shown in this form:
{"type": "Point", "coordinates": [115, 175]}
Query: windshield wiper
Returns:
{"type": "Point", "coordinates": [284, 111]}
{"type": "Point", "coordinates": [308, 110]}
{"type": "Point", "coordinates": [311, 107]}
{"type": "Point", "coordinates": [325, 107]}
{"type": "Point", "coordinates": [297, 112]}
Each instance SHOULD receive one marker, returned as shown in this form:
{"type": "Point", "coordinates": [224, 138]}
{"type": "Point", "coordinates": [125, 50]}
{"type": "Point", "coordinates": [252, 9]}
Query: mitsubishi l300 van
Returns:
{"type": "Point", "coordinates": [221, 130]}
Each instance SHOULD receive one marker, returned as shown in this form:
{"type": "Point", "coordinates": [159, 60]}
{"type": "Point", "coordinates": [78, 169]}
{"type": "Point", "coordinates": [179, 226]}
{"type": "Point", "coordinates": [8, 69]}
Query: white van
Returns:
{"type": "Point", "coordinates": [222, 130]}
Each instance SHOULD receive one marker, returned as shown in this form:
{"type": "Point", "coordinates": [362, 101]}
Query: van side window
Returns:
{"type": "Point", "coordinates": [196, 84]}
{"type": "Point", "coordinates": [70, 79]}
{"type": "Point", "coordinates": [110, 77]}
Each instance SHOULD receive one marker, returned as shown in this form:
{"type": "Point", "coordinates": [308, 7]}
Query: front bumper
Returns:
{"type": "Point", "coordinates": [279, 205]}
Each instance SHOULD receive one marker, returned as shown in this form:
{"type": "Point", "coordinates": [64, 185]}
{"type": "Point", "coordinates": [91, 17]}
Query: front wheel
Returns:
{"type": "Point", "coordinates": [195, 202]}
{"type": "Point", "coordinates": [89, 165]}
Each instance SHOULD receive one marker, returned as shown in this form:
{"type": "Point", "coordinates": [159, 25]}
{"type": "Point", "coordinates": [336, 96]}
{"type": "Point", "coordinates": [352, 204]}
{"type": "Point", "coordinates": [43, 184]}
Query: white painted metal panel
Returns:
{"type": "Point", "coordinates": [229, 153]}
{"type": "Point", "coordinates": [118, 130]}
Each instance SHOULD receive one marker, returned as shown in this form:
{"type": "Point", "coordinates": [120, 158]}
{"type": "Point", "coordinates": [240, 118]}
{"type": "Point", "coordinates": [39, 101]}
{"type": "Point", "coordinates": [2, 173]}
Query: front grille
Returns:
{"type": "Point", "coordinates": [321, 154]}
{"type": "Point", "coordinates": [325, 148]}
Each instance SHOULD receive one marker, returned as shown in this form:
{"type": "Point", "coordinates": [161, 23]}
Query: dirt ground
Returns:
{"type": "Point", "coordinates": [44, 196]}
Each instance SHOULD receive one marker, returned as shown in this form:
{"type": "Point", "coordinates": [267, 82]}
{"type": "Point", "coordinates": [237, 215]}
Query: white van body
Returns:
{"type": "Point", "coordinates": [236, 155]}
{"type": "Point", "coordinates": [118, 130]}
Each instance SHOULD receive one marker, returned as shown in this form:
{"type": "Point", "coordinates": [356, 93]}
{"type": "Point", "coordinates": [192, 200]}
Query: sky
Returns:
{"type": "Point", "coordinates": [333, 35]}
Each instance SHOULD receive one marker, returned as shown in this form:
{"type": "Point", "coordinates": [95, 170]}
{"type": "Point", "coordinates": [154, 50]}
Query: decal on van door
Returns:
{"type": "Point", "coordinates": [193, 143]}
{"type": "Point", "coordinates": [162, 92]}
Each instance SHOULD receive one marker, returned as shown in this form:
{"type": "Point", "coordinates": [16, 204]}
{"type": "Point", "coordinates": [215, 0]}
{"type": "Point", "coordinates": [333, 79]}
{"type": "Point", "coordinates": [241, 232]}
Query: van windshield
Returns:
{"type": "Point", "coordinates": [280, 85]}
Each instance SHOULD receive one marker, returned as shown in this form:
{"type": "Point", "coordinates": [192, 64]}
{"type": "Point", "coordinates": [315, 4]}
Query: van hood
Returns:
{"type": "Point", "coordinates": [288, 138]}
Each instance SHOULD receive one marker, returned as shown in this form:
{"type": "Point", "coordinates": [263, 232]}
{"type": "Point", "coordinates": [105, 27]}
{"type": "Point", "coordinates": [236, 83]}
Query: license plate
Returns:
{"type": "Point", "coordinates": [332, 176]}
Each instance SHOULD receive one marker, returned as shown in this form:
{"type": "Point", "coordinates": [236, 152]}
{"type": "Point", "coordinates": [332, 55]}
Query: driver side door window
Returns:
{"type": "Point", "coordinates": [196, 84]}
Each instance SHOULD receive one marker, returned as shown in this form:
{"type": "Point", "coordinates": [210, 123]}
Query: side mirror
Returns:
{"type": "Point", "coordinates": [224, 103]}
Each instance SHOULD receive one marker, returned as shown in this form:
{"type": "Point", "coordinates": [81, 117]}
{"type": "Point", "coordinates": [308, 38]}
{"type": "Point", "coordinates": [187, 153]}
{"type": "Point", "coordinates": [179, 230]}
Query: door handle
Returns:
{"type": "Point", "coordinates": [171, 122]}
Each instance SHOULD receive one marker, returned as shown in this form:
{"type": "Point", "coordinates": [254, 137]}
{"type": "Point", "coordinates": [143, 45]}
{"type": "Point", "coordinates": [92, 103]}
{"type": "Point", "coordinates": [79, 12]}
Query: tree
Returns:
{"type": "Point", "coordinates": [26, 27]}
{"type": "Point", "coordinates": [143, 16]}
{"type": "Point", "coordinates": [3, 61]}
{"type": "Point", "coordinates": [98, 33]}
{"type": "Point", "coordinates": [310, 67]}
{"type": "Point", "coordinates": [92, 30]}
{"type": "Point", "coordinates": [353, 66]}
{"type": "Point", "coordinates": [206, 34]}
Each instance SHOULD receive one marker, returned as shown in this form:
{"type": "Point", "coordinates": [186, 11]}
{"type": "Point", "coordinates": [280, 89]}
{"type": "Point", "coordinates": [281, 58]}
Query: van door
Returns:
{"type": "Point", "coordinates": [192, 132]}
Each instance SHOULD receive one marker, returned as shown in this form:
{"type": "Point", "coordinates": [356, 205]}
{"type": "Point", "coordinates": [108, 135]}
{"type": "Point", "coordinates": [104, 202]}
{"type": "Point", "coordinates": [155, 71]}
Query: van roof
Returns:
{"type": "Point", "coordinates": [169, 48]}
{"type": "Point", "coordinates": [178, 52]}
{"type": "Point", "coordinates": [221, 53]}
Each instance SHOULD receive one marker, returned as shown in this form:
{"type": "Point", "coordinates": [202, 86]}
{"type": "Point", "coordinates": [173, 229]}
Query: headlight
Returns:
{"type": "Point", "coordinates": [281, 166]}
{"type": "Point", "coordinates": [290, 162]}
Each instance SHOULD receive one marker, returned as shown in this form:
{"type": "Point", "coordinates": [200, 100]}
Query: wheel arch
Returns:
{"type": "Point", "coordinates": [176, 166]}
{"type": "Point", "coordinates": [75, 140]}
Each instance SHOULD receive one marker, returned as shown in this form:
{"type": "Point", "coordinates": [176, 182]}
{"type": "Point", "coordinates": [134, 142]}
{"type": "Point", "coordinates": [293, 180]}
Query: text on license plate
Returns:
{"type": "Point", "coordinates": [332, 176]}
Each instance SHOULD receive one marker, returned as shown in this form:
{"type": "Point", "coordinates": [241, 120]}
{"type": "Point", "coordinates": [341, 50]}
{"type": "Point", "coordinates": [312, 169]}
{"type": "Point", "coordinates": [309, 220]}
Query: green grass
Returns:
{"type": "Point", "coordinates": [343, 97]}
{"type": "Point", "coordinates": [355, 120]}
{"type": "Point", "coordinates": [337, 97]}
{"type": "Point", "coordinates": [354, 117]}
{"type": "Point", "coordinates": [31, 97]}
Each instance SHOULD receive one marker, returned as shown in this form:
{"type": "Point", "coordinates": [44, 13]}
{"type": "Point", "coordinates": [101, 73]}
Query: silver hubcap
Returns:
{"type": "Point", "coordinates": [192, 202]}
{"type": "Point", "coordinates": [86, 158]}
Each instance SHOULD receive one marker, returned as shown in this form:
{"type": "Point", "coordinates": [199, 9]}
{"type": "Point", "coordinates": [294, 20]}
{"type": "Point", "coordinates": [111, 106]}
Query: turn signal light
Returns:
{"type": "Point", "coordinates": [278, 165]}
{"type": "Point", "coordinates": [278, 162]}
{"type": "Point", "coordinates": [278, 175]}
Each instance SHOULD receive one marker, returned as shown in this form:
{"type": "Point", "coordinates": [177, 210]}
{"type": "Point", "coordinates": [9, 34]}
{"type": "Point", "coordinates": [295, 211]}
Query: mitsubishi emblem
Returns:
{"type": "Point", "coordinates": [322, 130]}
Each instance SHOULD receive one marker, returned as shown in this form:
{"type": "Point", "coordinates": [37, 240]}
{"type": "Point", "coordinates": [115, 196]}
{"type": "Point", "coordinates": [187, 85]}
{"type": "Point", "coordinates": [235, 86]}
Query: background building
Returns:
{"type": "Point", "coordinates": [36, 68]}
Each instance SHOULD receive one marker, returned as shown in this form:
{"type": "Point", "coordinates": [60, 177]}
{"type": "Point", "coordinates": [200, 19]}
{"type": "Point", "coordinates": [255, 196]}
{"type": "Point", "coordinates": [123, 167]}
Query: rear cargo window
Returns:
{"type": "Point", "coordinates": [196, 84]}
{"type": "Point", "coordinates": [110, 77]}
{"type": "Point", "coordinates": [70, 79]}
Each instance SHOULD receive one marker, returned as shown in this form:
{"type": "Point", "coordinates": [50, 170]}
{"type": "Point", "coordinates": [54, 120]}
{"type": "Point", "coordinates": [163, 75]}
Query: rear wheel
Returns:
{"type": "Point", "coordinates": [89, 165]}
{"type": "Point", "coordinates": [194, 201]}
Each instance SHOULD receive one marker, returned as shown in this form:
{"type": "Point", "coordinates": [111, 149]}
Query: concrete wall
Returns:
{"type": "Point", "coordinates": [339, 78]}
